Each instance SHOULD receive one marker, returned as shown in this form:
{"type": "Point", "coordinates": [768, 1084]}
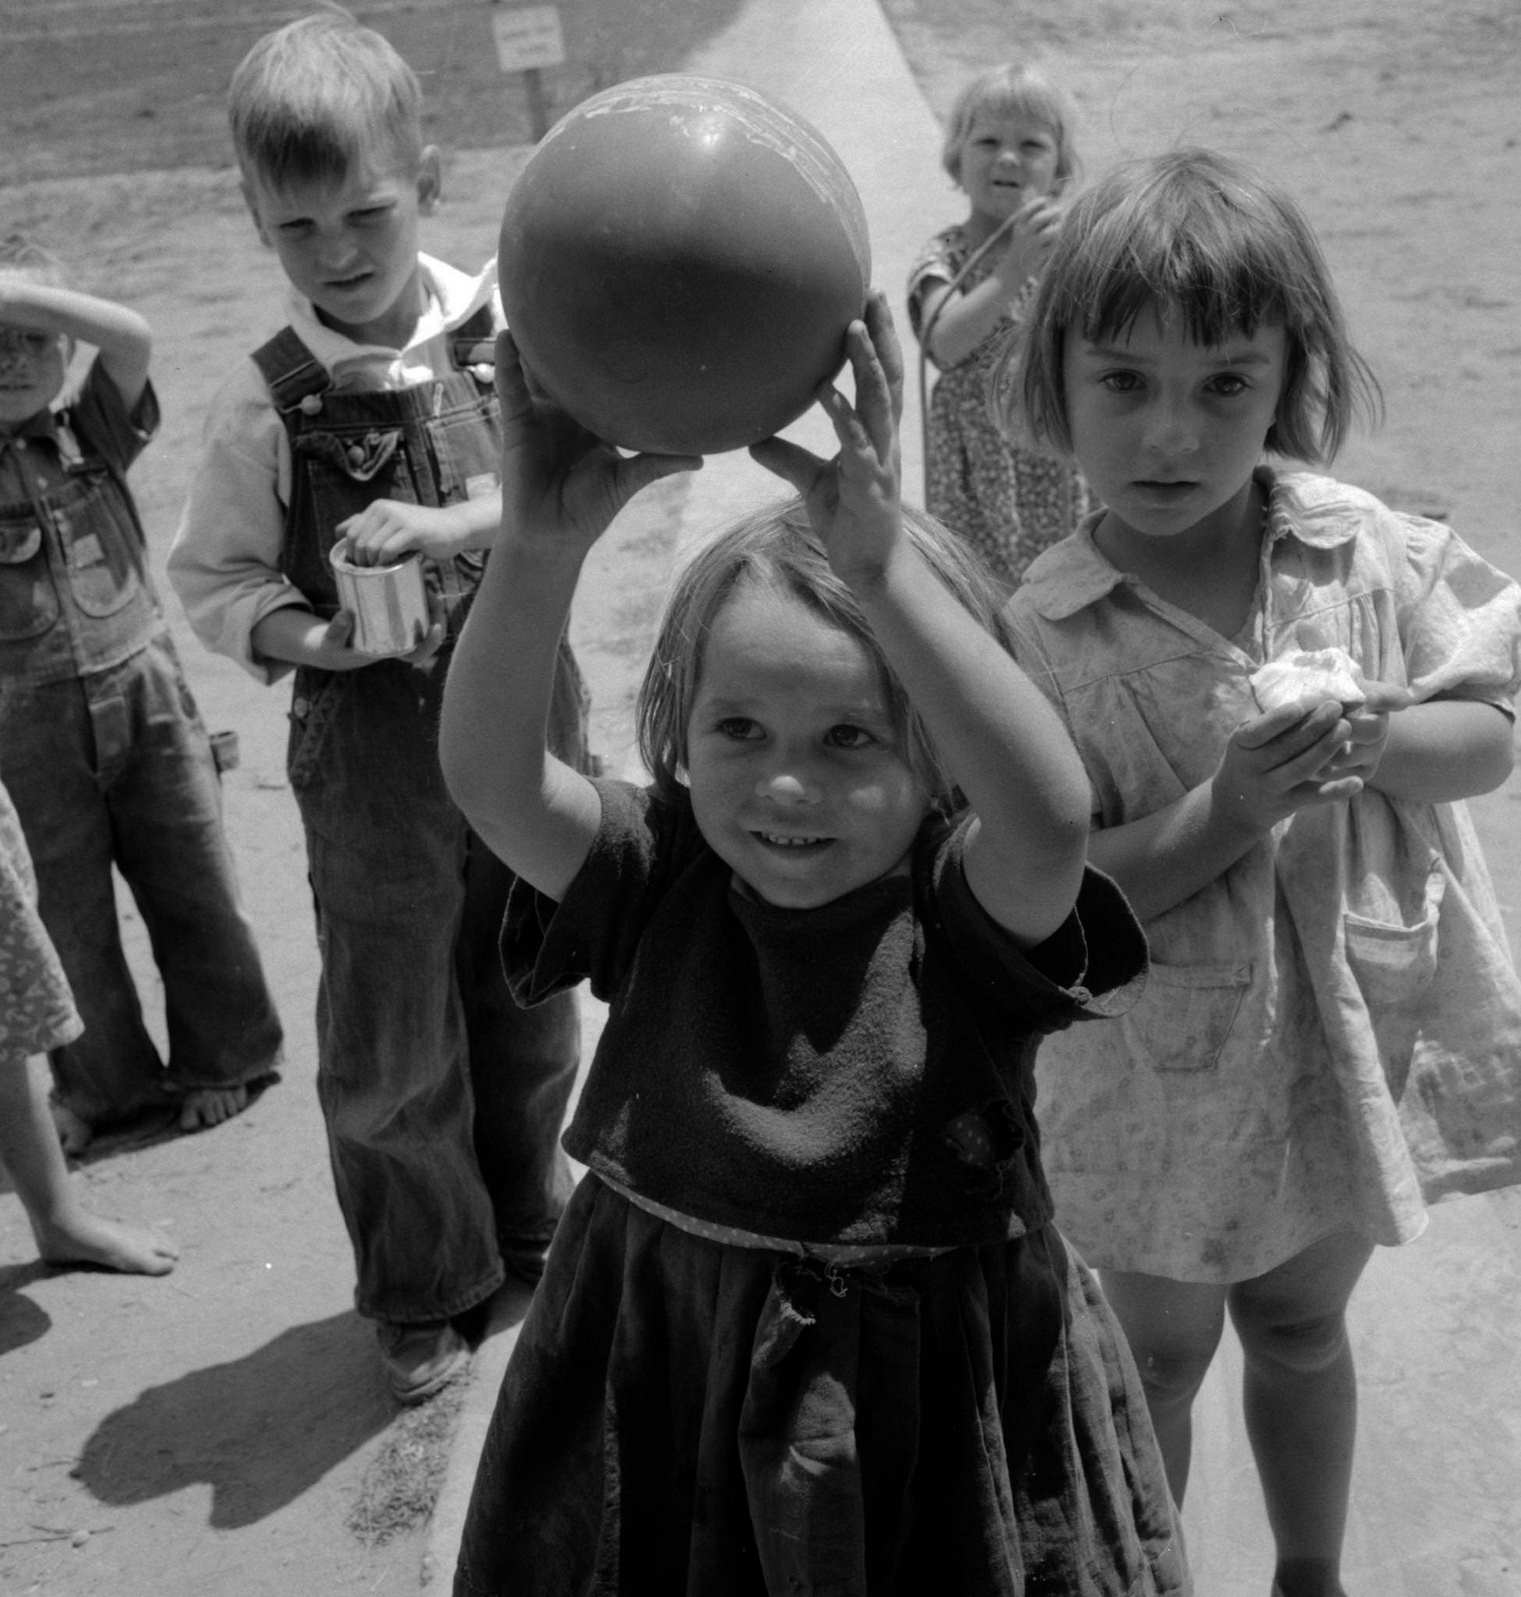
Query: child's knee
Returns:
{"type": "Point", "coordinates": [1305, 1344]}
{"type": "Point", "coordinates": [1172, 1371]}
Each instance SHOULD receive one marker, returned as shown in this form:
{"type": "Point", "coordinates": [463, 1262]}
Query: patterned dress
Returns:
{"type": "Point", "coordinates": [36, 1009]}
{"type": "Point", "coordinates": [1008, 500]}
{"type": "Point", "coordinates": [1328, 1039]}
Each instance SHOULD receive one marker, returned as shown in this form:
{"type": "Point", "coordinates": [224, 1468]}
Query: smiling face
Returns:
{"type": "Point", "coordinates": [350, 245]}
{"type": "Point", "coordinates": [1007, 158]}
{"type": "Point", "coordinates": [1168, 431]}
{"type": "Point", "coordinates": [798, 778]}
{"type": "Point", "coordinates": [33, 368]}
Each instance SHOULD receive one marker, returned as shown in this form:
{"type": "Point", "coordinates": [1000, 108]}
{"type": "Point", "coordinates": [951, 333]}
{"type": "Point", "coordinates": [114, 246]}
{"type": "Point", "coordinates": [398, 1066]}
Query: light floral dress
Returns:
{"type": "Point", "coordinates": [36, 1008]}
{"type": "Point", "coordinates": [1331, 1034]}
{"type": "Point", "coordinates": [1007, 499]}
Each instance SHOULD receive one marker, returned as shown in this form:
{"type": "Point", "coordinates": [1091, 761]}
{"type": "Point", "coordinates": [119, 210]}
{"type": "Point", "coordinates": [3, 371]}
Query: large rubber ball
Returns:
{"type": "Point", "coordinates": [679, 260]}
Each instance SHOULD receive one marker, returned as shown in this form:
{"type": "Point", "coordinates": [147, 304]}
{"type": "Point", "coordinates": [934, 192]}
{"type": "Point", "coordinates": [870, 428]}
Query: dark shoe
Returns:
{"type": "Point", "coordinates": [421, 1360]}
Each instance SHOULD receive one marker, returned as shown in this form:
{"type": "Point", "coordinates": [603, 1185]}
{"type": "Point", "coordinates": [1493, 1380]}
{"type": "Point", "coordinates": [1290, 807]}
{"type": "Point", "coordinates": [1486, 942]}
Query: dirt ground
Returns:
{"type": "Point", "coordinates": [225, 1430]}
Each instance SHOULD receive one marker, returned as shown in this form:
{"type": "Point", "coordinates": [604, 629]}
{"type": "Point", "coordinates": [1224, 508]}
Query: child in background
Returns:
{"type": "Point", "coordinates": [806, 1325]}
{"type": "Point", "coordinates": [1333, 1020]}
{"type": "Point", "coordinates": [105, 756]}
{"type": "Point", "coordinates": [1009, 146]}
{"type": "Point", "coordinates": [37, 1013]}
{"type": "Point", "coordinates": [370, 419]}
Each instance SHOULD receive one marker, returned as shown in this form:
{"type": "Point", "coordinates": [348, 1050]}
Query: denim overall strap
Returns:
{"type": "Point", "coordinates": [434, 443]}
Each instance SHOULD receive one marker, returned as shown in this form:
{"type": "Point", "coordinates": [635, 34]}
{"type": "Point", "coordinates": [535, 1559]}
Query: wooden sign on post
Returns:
{"type": "Point", "coordinates": [529, 38]}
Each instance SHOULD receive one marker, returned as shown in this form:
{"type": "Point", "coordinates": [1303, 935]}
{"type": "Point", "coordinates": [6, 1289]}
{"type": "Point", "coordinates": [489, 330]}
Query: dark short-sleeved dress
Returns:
{"type": "Point", "coordinates": [1008, 499]}
{"type": "Point", "coordinates": [806, 1326]}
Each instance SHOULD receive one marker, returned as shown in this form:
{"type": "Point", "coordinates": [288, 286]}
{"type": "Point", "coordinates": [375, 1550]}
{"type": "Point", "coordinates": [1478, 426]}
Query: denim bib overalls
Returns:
{"type": "Point", "coordinates": [443, 1100]}
{"type": "Point", "coordinates": [108, 763]}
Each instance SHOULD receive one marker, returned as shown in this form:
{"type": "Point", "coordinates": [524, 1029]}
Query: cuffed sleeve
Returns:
{"type": "Point", "coordinates": [224, 564]}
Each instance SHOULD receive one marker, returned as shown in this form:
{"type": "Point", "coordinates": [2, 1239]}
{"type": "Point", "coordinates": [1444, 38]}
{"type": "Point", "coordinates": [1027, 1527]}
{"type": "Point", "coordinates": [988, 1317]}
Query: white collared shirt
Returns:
{"type": "Point", "coordinates": [224, 562]}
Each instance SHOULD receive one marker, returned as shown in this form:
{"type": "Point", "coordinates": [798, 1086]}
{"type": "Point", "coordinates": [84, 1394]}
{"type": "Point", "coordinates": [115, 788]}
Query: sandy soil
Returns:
{"type": "Point", "coordinates": [221, 1430]}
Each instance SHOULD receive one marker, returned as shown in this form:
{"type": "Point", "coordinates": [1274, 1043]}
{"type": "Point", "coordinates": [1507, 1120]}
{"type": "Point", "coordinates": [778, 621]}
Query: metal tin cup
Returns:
{"type": "Point", "coordinates": [389, 603]}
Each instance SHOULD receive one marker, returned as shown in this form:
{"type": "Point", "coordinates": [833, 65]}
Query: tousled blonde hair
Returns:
{"type": "Point", "coordinates": [776, 545]}
{"type": "Point", "coordinates": [311, 99]}
{"type": "Point", "coordinates": [1015, 90]}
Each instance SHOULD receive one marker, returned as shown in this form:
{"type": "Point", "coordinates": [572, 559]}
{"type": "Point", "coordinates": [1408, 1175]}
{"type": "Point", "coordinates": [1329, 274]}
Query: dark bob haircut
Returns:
{"type": "Point", "coordinates": [1195, 238]}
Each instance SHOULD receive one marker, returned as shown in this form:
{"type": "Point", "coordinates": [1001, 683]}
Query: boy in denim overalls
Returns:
{"type": "Point", "coordinates": [105, 756]}
{"type": "Point", "coordinates": [372, 418]}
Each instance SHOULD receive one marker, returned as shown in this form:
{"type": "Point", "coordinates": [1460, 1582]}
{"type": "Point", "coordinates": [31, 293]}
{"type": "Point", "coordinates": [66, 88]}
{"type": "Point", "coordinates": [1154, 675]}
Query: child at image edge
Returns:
{"type": "Point", "coordinates": [1331, 1029]}
{"type": "Point", "coordinates": [371, 417]}
{"type": "Point", "coordinates": [806, 1324]}
{"type": "Point", "coordinates": [101, 746]}
{"type": "Point", "coordinates": [1009, 145]}
{"type": "Point", "coordinates": [37, 1013]}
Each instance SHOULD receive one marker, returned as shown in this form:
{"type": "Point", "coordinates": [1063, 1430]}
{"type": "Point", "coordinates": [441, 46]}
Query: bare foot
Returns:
{"type": "Point", "coordinates": [74, 1134]}
{"type": "Point", "coordinates": [210, 1106]}
{"type": "Point", "coordinates": [79, 1237]}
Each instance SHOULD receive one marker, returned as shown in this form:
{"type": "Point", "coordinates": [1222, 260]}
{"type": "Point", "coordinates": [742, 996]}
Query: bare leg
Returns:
{"type": "Point", "coordinates": [1301, 1405]}
{"type": "Point", "coordinates": [66, 1232]}
{"type": "Point", "coordinates": [210, 1106]}
{"type": "Point", "coordinates": [1173, 1328]}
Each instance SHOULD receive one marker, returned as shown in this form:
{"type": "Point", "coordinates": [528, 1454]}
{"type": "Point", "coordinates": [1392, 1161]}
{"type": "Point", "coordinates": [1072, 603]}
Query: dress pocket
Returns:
{"type": "Point", "coordinates": [1187, 1015]}
{"type": "Point", "coordinates": [1394, 964]}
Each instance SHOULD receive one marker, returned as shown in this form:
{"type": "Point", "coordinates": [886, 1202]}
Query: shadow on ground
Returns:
{"type": "Point", "coordinates": [21, 1320]}
{"type": "Point", "coordinates": [235, 1426]}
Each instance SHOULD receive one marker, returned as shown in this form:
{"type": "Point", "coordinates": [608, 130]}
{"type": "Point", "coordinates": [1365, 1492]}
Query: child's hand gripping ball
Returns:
{"type": "Point", "coordinates": [679, 260]}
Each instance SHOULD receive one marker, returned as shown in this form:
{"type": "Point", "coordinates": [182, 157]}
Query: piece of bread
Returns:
{"type": "Point", "coordinates": [1309, 677]}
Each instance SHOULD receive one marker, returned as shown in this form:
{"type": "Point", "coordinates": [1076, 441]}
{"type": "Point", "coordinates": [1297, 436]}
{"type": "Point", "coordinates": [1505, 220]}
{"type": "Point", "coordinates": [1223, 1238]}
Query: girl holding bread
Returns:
{"type": "Point", "coordinates": [1282, 691]}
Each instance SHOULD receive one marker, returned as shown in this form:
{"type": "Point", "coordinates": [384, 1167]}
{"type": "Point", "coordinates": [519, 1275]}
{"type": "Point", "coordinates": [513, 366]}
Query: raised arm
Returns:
{"type": "Point", "coordinates": [995, 732]}
{"type": "Point", "coordinates": [561, 488]}
{"type": "Point", "coordinates": [957, 320]}
{"type": "Point", "coordinates": [122, 337]}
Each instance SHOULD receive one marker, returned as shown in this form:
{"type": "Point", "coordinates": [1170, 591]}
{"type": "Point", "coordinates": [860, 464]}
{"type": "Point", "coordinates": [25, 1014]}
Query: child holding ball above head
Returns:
{"type": "Point", "coordinates": [1330, 1032]}
{"type": "Point", "coordinates": [370, 421]}
{"type": "Point", "coordinates": [805, 1324]}
{"type": "Point", "coordinates": [1009, 146]}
